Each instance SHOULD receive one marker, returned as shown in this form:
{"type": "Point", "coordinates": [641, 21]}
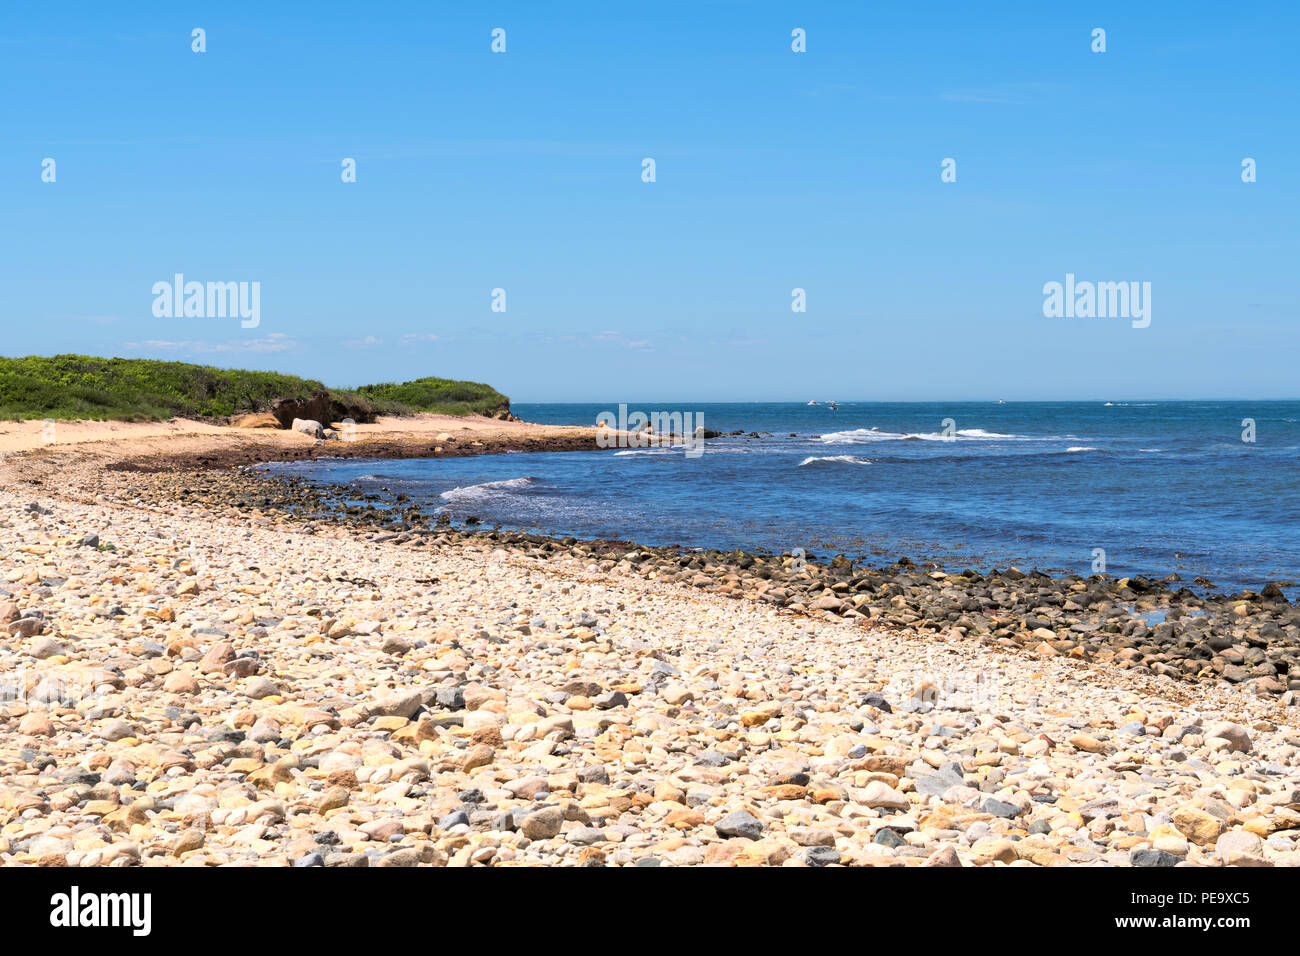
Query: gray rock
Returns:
{"type": "Point", "coordinates": [888, 837]}
{"type": "Point", "coordinates": [1101, 807]}
{"type": "Point", "coordinates": [116, 730]}
{"type": "Point", "coordinates": [1000, 808]}
{"type": "Point", "coordinates": [585, 836]}
{"type": "Point", "coordinates": [877, 700]}
{"type": "Point", "coordinates": [45, 647]}
{"type": "Point", "coordinates": [450, 698]}
{"type": "Point", "coordinates": [396, 705]}
{"type": "Point", "coordinates": [119, 775]}
{"type": "Point", "coordinates": [453, 819]}
{"type": "Point", "coordinates": [260, 687]}
{"type": "Point", "coordinates": [739, 823]}
{"type": "Point", "coordinates": [819, 855]}
{"type": "Point", "coordinates": [711, 758]}
{"type": "Point", "coordinates": [309, 426]}
{"type": "Point", "coordinates": [264, 731]}
{"type": "Point", "coordinates": [937, 784]}
{"type": "Point", "coordinates": [1149, 857]}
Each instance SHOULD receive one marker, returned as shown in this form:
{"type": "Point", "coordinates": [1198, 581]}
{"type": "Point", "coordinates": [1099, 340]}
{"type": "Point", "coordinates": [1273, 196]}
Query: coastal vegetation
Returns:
{"type": "Point", "coordinates": [442, 395]}
{"type": "Point", "coordinates": [87, 387]}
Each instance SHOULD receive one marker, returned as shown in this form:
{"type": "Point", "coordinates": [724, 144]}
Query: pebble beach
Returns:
{"type": "Point", "coordinates": [188, 685]}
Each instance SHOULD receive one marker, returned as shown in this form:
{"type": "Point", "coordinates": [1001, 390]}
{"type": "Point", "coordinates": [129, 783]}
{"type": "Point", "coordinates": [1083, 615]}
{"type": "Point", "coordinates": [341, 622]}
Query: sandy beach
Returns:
{"type": "Point", "coordinates": [185, 685]}
{"type": "Point", "coordinates": [182, 440]}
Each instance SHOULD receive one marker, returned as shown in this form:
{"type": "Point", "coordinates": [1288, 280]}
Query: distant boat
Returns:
{"type": "Point", "coordinates": [1108, 405]}
{"type": "Point", "coordinates": [832, 406]}
{"type": "Point", "coordinates": [812, 403]}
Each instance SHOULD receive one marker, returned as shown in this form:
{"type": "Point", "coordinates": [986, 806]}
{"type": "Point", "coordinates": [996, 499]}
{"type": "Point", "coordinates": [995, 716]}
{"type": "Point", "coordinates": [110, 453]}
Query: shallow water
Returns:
{"type": "Point", "coordinates": [1159, 486]}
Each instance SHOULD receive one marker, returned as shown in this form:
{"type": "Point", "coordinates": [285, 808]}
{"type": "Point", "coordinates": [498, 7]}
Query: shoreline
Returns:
{"type": "Point", "coordinates": [197, 676]}
{"type": "Point", "coordinates": [182, 443]}
{"type": "Point", "coordinates": [1150, 625]}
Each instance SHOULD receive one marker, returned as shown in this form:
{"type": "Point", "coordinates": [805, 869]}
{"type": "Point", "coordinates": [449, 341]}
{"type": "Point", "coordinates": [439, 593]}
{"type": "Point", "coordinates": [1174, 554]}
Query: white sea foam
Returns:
{"type": "Point", "coordinates": [1081, 448]}
{"type": "Point", "coordinates": [863, 435]}
{"type": "Point", "coordinates": [846, 459]}
{"type": "Point", "coordinates": [487, 489]}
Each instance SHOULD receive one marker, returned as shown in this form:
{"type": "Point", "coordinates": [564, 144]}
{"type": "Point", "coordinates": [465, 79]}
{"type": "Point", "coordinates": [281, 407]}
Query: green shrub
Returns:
{"type": "Point", "coordinates": [439, 395]}
{"type": "Point", "coordinates": [81, 386]}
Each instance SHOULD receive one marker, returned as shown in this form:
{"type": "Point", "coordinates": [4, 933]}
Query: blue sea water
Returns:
{"type": "Point", "coordinates": [1160, 486]}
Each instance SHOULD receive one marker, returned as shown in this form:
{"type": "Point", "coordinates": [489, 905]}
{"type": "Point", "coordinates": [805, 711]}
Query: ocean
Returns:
{"type": "Point", "coordinates": [1137, 487]}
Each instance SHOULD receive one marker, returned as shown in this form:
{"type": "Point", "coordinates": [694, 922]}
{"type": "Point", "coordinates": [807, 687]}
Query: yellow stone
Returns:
{"type": "Point", "coordinates": [684, 819]}
{"type": "Point", "coordinates": [991, 851]}
{"type": "Point", "coordinates": [1084, 742]}
{"type": "Point", "coordinates": [1197, 825]}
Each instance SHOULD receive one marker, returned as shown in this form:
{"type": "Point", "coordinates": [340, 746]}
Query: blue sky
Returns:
{"type": "Point", "coordinates": [775, 170]}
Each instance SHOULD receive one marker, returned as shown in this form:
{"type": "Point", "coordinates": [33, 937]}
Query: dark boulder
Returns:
{"type": "Point", "coordinates": [323, 408]}
{"type": "Point", "coordinates": [314, 408]}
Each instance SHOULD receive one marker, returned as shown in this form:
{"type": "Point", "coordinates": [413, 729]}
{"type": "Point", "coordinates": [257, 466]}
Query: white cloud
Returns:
{"type": "Point", "coordinates": [275, 342]}
{"type": "Point", "coordinates": [618, 338]}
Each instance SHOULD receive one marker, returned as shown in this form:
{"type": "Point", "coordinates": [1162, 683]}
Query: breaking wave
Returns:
{"type": "Point", "coordinates": [846, 459]}
{"type": "Point", "coordinates": [862, 435]}
{"type": "Point", "coordinates": [487, 489]}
